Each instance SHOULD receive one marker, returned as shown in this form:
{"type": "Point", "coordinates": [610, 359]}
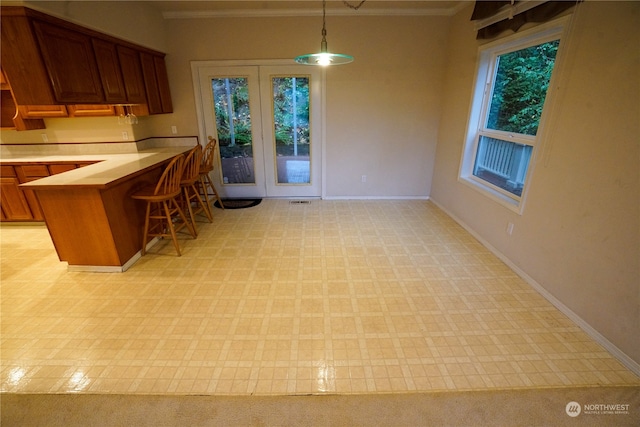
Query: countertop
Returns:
{"type": "Point", "coordinates": [108, 171]}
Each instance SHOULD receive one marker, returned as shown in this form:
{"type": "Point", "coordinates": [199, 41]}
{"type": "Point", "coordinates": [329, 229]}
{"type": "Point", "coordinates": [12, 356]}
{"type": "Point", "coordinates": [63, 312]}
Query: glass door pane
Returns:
{"type": "Point", "coordinates": [268, 121]}
{"type": "Point", "coordinates": [291, 124]}
{"type": "Point", "coordinates": [233, 123]}
{"type": "Point", "coordinates": [292, 141]}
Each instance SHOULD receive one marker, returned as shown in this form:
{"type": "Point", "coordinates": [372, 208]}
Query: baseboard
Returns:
{"type": "Point", "coordinates": [627, 361]}
{"type": "Point", "coordinates": [375, 198]}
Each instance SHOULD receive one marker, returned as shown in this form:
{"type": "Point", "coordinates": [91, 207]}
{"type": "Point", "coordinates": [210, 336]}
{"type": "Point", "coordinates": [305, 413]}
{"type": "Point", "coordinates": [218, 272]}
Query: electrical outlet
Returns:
{"type": "Point", "coordinates": [125, 136]}
{"type": "Point", "coordinates": [364, 178]}
{"type": "Point", "coordinates": [510, 228]}
{"type": "Point", "coordinates": [45, 138]}
{"type": "Point", "coordinates": [174, 130]}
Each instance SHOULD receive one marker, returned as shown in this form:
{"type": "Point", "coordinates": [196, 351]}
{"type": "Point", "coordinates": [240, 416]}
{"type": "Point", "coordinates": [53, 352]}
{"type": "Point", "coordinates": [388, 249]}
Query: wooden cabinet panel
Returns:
{"type": "Point", "coordinates": [151, 83]}
{"type": "Point", "coordinates": [70, 63]}
{"type": "Point", "coordinates": [163, 84]}
{"type": "Point", "coordinates": [132, 74]}
{"type": "Point", "coordinates": [21, 60]}
{"type": "Point", "coordinates": [83, 110]}
{"type": "Point", "coordinates": [20, 204]}
{"type": "Point", "coordinates": [49, 61]}
{"type": "Point", "coordinates": [11, 117]}
{"type": "Point", "coordinates": [78, 110]}
{"type": "Point", "coordinates": [156, 84]}
{"type": "Point", "coordinates": [28, 173]}
{"type": "Point", "coordinates": [14, 203]}
{"type": "Point", "coordinates": [7, 171]}
{"type": "Point", "coordinates": [110, 72]}
{"type": "Point", "coordinates": [32, 199]}
{"type": "Point", "coordinates": [56, 168]}
{"type": "Point", "coordinates": [42, 111]}
{"type": "Point", "coordinates": [32, 171]}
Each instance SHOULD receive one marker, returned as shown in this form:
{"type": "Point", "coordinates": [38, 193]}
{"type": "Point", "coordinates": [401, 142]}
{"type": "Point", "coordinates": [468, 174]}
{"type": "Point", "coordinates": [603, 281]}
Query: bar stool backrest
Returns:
{"type": "Point", "coordinates": [169, 182]}
{"type": "Point", "coordinates": [207, 157]}
{"type": "Point", "coordinates": [192, 165]}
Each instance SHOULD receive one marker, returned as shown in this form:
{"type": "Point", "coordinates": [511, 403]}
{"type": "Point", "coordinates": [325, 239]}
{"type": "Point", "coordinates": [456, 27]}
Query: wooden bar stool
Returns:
{"type": "Point", "coordinates": [190, 194]}
{"type": "Point", "coordinates": [206, 167]}
{"type": "Point", "coordinates": [162, 206]}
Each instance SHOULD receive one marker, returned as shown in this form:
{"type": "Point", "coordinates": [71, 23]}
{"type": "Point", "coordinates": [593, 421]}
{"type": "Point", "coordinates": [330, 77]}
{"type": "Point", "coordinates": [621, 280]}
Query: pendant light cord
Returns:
{"type": "Point", "coordinates": [356, 7]}
{"type": "Point", "coordinates": [323, 43]}
{"type": "Point", "coordinates": [324, 12]}
{"type": "Point", "coordinates": [324, 18]}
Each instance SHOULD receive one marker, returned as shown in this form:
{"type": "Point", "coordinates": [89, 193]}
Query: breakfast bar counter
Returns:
{"type": "Point", "coordinates": [94, 223]}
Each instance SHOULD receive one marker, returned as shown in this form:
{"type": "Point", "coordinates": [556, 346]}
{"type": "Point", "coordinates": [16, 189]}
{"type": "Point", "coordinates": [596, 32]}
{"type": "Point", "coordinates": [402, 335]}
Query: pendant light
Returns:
{"type": "Point", "coordinates": [324, 58]}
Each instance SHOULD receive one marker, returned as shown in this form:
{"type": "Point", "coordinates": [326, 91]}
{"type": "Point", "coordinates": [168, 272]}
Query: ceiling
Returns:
{"type": "Point", "coordinates": [249, 8]}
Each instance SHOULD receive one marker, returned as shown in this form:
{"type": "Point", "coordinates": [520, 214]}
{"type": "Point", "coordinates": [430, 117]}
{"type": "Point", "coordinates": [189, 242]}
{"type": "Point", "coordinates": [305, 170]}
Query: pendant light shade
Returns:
{"type": "Point", "coordinates": [324, 57]}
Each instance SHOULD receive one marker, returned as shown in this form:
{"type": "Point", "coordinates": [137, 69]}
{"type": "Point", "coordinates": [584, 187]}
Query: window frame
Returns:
{"type": "Point", "coordinates": [480, 104]}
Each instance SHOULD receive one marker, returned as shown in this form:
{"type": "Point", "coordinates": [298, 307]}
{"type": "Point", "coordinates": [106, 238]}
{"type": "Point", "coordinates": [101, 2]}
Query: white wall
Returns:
{"type": "Point", "coordinates": [579, 233]}
{"type": "Point", "coordinates": [382, 109]}
{"type": "Point", "coordinates": [138, 22]}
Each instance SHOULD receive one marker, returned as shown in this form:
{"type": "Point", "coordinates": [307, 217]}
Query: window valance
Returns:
{"type": "Point", "coordinates": [494, 17]}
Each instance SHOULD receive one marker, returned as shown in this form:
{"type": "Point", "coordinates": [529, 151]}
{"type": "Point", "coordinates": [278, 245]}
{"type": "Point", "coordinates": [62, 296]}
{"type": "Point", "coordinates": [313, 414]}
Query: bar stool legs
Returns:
{"type": "Point", "coordinates": [162, 206]}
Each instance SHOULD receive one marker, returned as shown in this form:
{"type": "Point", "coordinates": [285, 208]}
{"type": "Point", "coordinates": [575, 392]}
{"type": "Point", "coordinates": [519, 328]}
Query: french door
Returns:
{"type": "Point", "coordinates": [267, 120]}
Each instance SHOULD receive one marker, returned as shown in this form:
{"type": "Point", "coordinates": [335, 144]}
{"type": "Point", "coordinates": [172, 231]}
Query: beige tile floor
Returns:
{"type": "Point", "coordinates": [330, 297]}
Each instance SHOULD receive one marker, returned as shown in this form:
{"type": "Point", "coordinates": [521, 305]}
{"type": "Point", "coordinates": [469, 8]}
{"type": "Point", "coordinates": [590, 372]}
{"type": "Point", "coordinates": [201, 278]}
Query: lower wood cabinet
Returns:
{"type": "Point", "coordinates": [18, 204]}
{"type": "Point", "coordinates": [28, 173]}
{"type": "Point", "coordinates": [15, 206]}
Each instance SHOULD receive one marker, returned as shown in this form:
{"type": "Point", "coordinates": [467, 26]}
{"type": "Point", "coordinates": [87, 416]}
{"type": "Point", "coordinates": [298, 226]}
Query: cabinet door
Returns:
{"type": "Point", "coordinates": [132, 74]}
{"type": "Point", "coordinates": [28, 173]}
{"type": "Point", "coordinates": [85, 110]}
{"type": "Point", "coordinates": [110, 73]}
{"type": "Point", "coordinates": [22, 62]}
{"type": "Point", "coordinates": [70, 63]}
{"type": "Point", "coordinates": [56, 168]}
{"type": "Point", "coordinates": [42, 111]}
{"type": "Point", "coordinates": [163, 84]}
{"type": "Point", "coordinates": [156, 83]}
{"type": "Point", "coordinates": [14, 203]}
{"type": "Point", "coordinates": [151, 83]}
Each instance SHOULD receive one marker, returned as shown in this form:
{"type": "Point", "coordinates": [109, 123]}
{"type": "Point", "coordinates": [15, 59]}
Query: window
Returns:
{"type": "Point", "coordinates": [507, 114]}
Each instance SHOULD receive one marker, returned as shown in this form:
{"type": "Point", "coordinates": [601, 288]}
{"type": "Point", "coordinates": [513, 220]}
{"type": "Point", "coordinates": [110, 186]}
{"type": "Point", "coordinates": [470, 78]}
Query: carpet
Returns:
{"type": "Point", "coordinates": [523, 407]}
{"type": "Point", "coordinates": [238, 203]}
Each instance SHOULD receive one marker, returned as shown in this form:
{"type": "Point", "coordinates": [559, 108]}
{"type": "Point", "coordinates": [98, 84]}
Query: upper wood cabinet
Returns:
{"type": "Point", "coordinates": [42, 111]}
{"type": "Point", "coordinates": [22, 61]}
{"type": "Point", "coordinates": [83, 110]}
{"type": "Point", "coordinates": [106, 54]}
{"type": "Point", "coordinates": [156, 83]}
{"type": "Point", "coordinates": [49, 61]}
{"type": "Point", "coordinates": [132, 74]}
{"type": "Point", "coordinates": [11, 117]}
{"type": "Point", "coordinates": [70, 63]}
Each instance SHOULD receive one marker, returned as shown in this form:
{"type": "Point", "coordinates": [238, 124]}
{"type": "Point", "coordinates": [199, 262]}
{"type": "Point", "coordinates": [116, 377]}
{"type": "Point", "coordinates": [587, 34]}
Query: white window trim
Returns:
{"type": "Point", "coordinates": [486, 59]}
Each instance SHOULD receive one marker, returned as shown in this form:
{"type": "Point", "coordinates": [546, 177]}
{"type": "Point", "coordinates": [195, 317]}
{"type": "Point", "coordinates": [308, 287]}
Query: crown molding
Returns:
{"type": "Point", "coordinates": [258, 13]}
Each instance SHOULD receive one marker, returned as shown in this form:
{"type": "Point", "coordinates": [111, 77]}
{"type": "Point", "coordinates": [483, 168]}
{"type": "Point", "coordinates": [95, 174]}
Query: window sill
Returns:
{"type": "Point", "coordinates": [515, 205]}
